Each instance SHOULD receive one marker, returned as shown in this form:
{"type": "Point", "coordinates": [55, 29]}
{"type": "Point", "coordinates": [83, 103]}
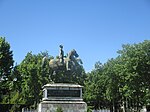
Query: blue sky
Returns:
{"type": "Point", "coordinates": [95, 28]}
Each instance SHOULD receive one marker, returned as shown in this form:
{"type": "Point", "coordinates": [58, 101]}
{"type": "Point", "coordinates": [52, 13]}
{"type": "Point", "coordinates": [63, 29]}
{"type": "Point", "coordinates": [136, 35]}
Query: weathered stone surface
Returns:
{"type": "Point", "coordinates": [67, 106]}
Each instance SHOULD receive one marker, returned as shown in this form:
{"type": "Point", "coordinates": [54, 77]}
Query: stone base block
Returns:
{"type": "Point", "coordinates": [67, 106]}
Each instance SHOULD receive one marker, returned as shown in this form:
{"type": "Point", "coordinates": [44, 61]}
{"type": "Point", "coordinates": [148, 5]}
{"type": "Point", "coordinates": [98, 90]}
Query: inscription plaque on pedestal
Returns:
{"type": "Point", "coordinates": [63, 93]}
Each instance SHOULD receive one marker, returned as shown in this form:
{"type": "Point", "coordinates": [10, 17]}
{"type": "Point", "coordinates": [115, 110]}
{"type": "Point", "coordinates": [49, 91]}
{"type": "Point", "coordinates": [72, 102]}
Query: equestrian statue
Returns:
{"type": "Point", "coordinates": [61, 62]}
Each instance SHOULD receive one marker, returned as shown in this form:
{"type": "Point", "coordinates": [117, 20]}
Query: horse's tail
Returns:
{"type": "Point", "coordinates": [44, 61]}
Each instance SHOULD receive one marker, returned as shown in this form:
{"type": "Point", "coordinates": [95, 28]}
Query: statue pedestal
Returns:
{"type": "Point", "coordinates": [65, 96]}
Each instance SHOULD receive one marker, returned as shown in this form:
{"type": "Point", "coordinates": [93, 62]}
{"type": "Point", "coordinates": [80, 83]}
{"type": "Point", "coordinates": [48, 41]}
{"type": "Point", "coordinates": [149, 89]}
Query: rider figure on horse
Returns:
{"type": "Point", "coordinates": [61, 55]}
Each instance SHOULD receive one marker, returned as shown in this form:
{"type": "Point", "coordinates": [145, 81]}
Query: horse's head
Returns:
{"type": "Point", "coordinates": [75, 53]}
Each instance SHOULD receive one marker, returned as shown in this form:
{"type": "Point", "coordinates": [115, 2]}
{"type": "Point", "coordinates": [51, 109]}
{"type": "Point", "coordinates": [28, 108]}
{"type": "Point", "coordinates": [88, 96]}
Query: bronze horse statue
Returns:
{"type": "Point", "coordinates": [68, 63]}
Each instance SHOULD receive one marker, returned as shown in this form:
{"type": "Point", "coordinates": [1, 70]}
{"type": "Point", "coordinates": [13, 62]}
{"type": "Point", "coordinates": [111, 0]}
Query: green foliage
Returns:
{"type": "Point", "coordinates": [33, 78]}
{"type": "Point", "coordinates": [137, 71]}
{"type": "Point", "coordinates": [6, 59]}
{"type": "Point", "coordinates": [15, 108]}
{"type": "Point", "coordinates": [89, 109]}
{"type": "Point", "coordinates": [122, 80]}
{"type": "Point", "coordinates": [6, 65]}
{"type": "Point", "coordinates": [95, 87]}
{"type": "Point", "coordinates": [59, 109]}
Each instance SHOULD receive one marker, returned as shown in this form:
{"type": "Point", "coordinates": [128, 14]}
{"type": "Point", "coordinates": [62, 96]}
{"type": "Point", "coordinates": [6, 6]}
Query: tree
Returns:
{"type": "Point", "coordinates": [125, 79]}
{"type": "Point", "coordinates": [136, 59]}
{"type": "Point", "coordinates": [95, 86]}
{"type": "Point", "coordinates": [6, 59]}
{"type": "Point", "coordinates": [6, 65]}
{"type": "Point", "coordinates": [33, 78]}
